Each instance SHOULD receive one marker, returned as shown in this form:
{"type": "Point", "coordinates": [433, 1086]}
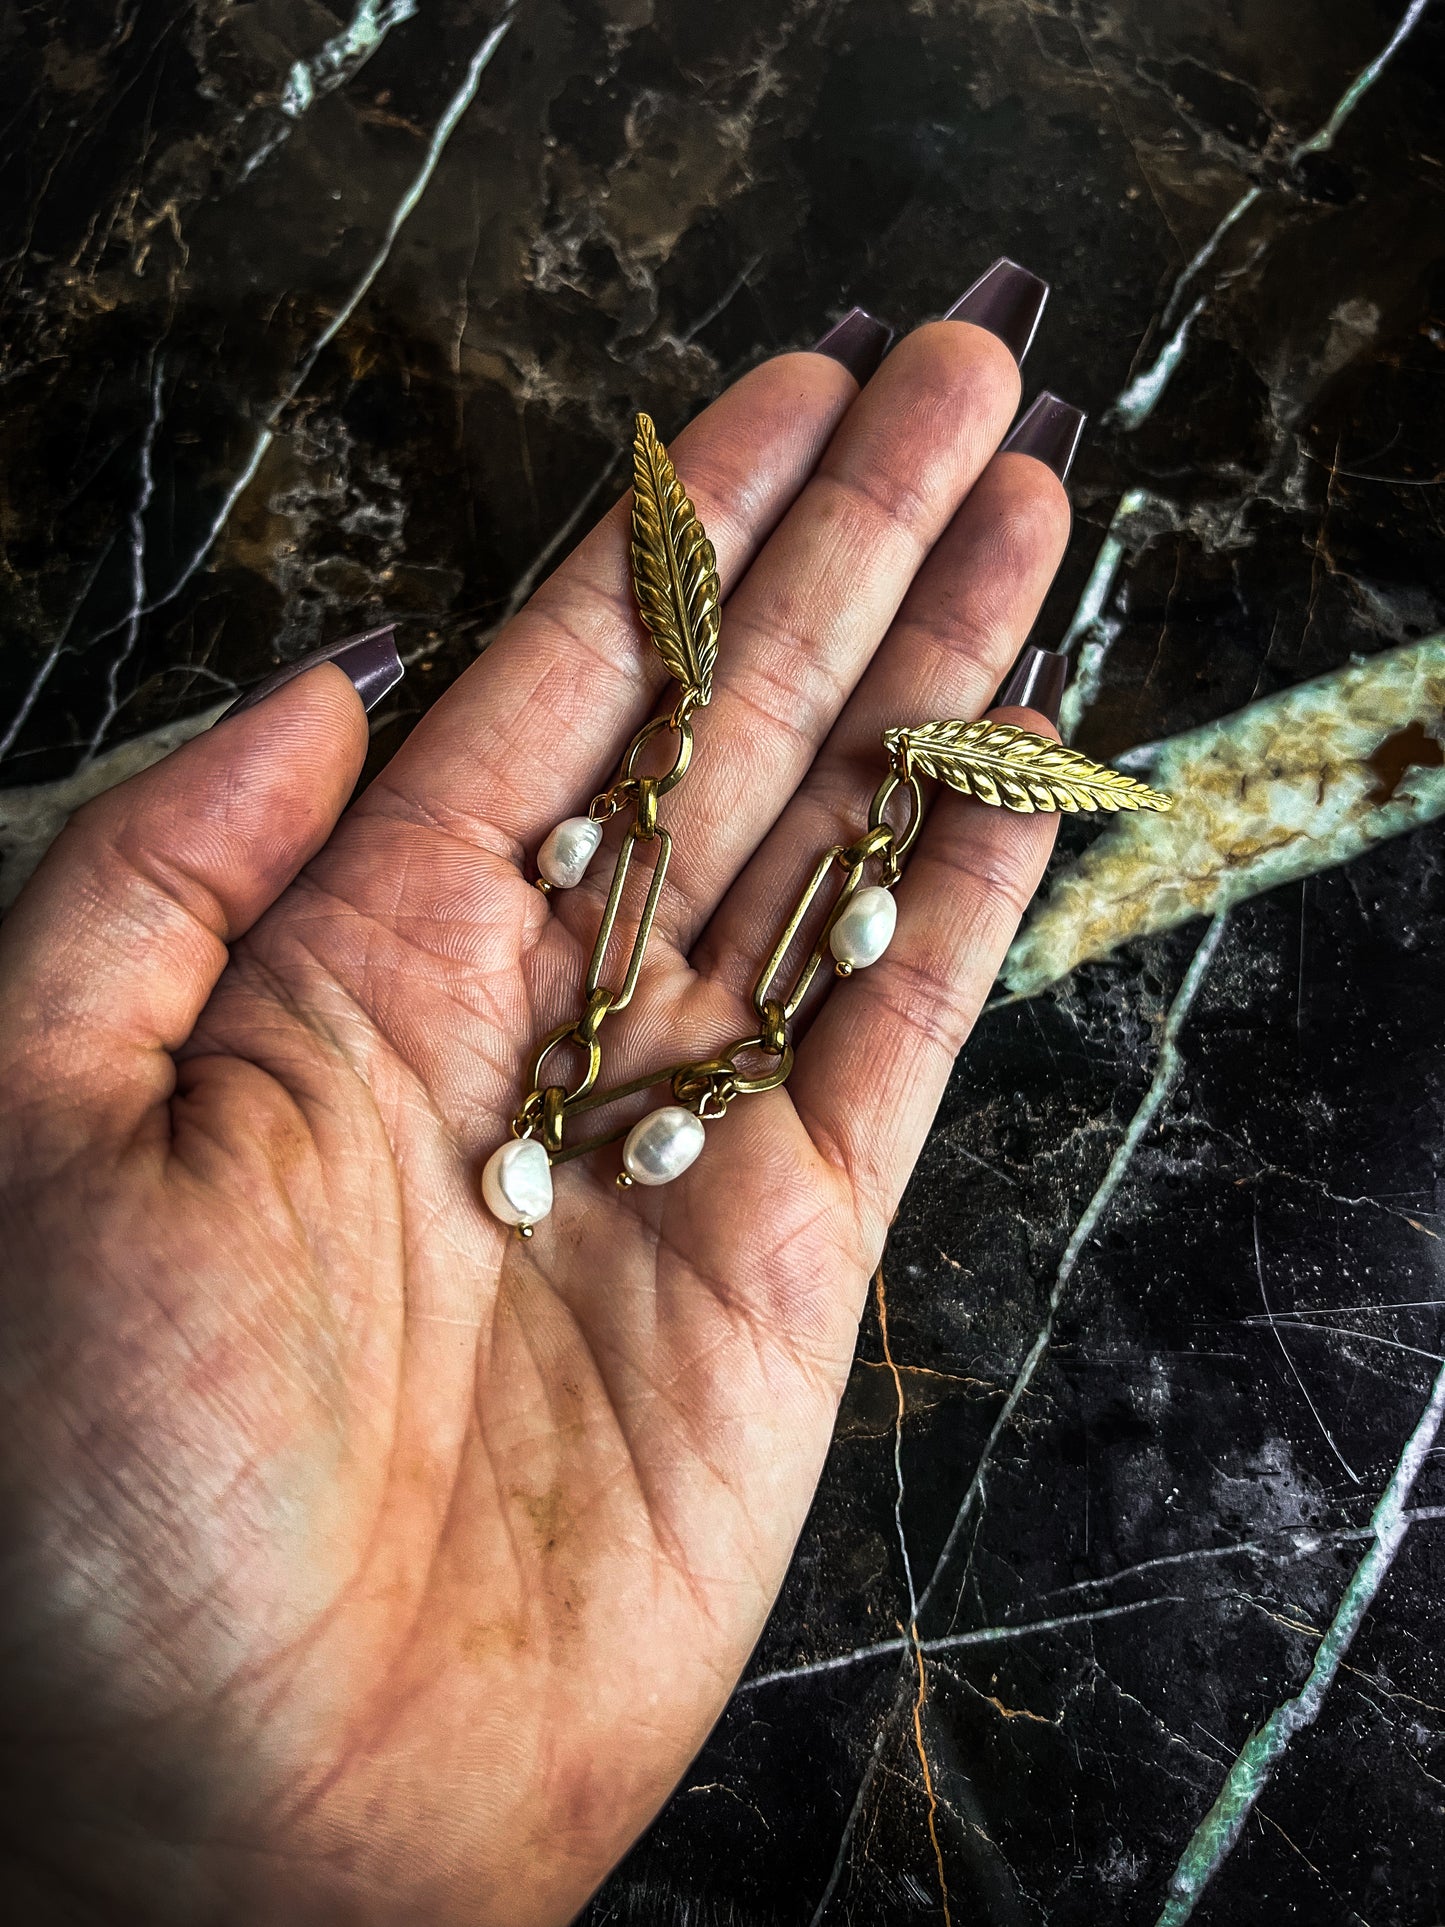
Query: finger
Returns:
{"type": "Point", "coordinates": [808, 615]}
{"type": "Point", "coordinates": [802, 627]}
{"type": "Point", "coordinates": [116, 942]}
{"type": "Point", "coordinates": [873, 1067]}
{"type": "Point", "coordinates": [538, 724]}
{"type": "Point", "coordinates": [960, 627]}
{"type": "Point", "coordinates": [813, 608]}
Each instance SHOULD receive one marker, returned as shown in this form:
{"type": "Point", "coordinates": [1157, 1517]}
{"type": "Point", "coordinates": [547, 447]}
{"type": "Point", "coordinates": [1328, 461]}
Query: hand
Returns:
{"type": "Point", "coordinates": [363, 1562]}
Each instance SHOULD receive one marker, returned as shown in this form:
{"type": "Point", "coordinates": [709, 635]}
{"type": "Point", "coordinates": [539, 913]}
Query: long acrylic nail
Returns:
{"type": "Point", "coordinates": [1037, 681]}
{"type": "Point", "coordinates": [370, 660]}
{"type": "Point", "coordinates": [1049, 432]}
{"type": "Point", "coordinates": [860, 341]}
{"type": "Point", "coordinates": [1007, 300]}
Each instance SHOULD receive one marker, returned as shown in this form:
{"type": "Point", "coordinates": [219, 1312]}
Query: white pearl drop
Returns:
{"type": "Point", "coordinates": [517, 1182]}
{"type": "Point", "coordinates": [865, 929]}
{"type": "Point", "coordinates": [563, 858]}
{"type": "Point", "coordinates": [662, 1145]}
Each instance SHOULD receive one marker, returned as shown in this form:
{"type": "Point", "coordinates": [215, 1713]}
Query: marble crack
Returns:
{"type": "Point", "coordinates": [1211, 1760]}
{"type": "Point", "coordinates": [522, 588]}
{"type": "Point", "coordinates": [854, 1815]}
{"type": "Point", "coordinates": [331, 67]}
{"type": "Point", "coordinates": [51, 658]}
{"type": "Point", "coordinates": [1215, 1836]}
{"type": "Point", "coordinates": [1349, 1331]}
{"type": "Point", "coordinates": [1136, 402]}
{"type": "Point", "coordinates": [918, 1704]}
{"type": "Point", "coordinates": [1324, 137]}
{"type": "Point", "coordinates": [1139, 400]}
{"type": "Point", "coordinates": [881, 1297]}
{"type": "Point", "coordinates": [1201, 258]}
{"type": "Point", "coordinates": [1318, 1185]}
{"type": "Point", "coordinates": [1329, 1437]}
{"type": "Point", "coordinates": [920, 1698]}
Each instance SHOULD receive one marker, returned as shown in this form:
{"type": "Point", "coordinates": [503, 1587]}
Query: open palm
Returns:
{"type": "Point", "coordinates": [364, 1562]}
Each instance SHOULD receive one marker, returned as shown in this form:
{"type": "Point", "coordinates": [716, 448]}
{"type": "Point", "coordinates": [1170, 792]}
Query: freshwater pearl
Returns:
{"type": "Point", "coordinates": [563, 858]}
{"type": "Point", "coordinates": [661, 1146]}
{"type": "Point", "coordinates": [517, 1182]}
{"type": "Point", "coordinates": [865, 929]}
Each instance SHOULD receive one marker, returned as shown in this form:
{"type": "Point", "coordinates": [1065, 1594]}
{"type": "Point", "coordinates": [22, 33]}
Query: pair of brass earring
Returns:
{"type": "Point", "coordinates": [675, 581]}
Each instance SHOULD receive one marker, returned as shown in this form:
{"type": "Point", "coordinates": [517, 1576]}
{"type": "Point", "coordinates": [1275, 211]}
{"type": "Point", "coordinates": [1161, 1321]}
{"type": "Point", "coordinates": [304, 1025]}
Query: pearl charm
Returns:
{"type": "Point", "coordinates": [517, 1183]}
{"type": "Point", "coordinates": [864, 930]}
{"type": "Point", "coordinates": [563, 858]}
{"type": "Point", "coordinates": [662, 1145]}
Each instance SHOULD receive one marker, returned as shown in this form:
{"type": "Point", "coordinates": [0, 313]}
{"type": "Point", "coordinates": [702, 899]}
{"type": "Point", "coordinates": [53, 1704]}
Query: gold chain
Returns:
{"type": "Point", "coordinates": [709, 1085]}
{"type": "Point", "coordinates": [544, 1109]}
{"type": "Point", "coordinates": [675, 581]}
{"type": "Point", "coordinates": [679, 597]}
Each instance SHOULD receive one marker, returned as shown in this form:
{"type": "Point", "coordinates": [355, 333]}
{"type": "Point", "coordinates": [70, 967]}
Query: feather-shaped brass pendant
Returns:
{"type": "Point", "coordinates": [674, 568]}
{"type": "Point", "coordinates": [1014, 769]}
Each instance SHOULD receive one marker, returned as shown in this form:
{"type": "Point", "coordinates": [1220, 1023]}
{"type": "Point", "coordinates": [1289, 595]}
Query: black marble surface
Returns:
{"type": "Point", "coordinates": [292, 350]}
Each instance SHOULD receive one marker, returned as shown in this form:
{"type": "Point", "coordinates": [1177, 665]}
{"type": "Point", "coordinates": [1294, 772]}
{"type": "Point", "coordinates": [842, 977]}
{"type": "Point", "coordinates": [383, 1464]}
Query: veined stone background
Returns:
{"type": "Point", "coordinates": [1120, 1602]}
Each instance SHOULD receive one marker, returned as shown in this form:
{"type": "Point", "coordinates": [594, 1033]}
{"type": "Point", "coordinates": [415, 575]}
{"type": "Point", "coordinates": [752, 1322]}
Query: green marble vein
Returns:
{"type": "Point", "coordinates": [1299, 783]}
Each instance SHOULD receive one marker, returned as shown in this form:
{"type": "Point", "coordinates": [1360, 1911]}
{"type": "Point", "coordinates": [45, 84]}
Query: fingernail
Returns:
{"type": "Point", "coordinates": [1037, 681]}
{"type": "Point", "coordinates": [1007, 300]}
{"type": "Point", "coordinates": [860, 341]}
{"type": "Point", "coordinates": [370, 660]}
{"type": "Point", "coordinates": [1049, 432]}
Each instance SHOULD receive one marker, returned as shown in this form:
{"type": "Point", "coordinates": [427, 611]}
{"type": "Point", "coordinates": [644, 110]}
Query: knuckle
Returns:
{"type": "Point", "coordinates": [882, 500]}
{"type": "Point", "coordinates": [930, 1003]}
{"type": "Point", "coordinates": [998, 881]}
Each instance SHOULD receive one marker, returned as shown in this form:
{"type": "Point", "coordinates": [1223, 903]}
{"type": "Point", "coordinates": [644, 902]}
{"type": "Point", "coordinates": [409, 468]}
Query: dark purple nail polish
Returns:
{"type": "Point", "coordinates": [370, 660]}
{"type": "Point", "coordinates": [1007, 300]}
{"type": "Point", "coordinates": [1037, 681]}
{"type": "Point", "coordinates": [1049, 432]}
{"type": "Point", "coordinates": [860, 341]}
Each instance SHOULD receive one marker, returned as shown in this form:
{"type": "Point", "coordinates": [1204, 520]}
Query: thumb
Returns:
{"type": "Point", "coordinates": [116, 942]}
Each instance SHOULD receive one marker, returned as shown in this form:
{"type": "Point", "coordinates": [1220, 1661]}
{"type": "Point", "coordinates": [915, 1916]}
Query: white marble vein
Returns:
{"type": "Point", "coordinates": [52, 656]}
{"type": "Point", "coordinates": [1166, 1071]}
{"type": "Point", "coordinates": [954, 1642]}
{"type": "Point", "coordinates": [1165, 1074]}
{"type": "Point", "coordinates": [32, 817]}
{"type": "Point", "coordinates": [344, 54]}
{"type": "Point", "coordinates": [1140, 398]}
{"type": "Point", "coordinates": [1093, 631]}
{"type": "Point", "coordinates": [136, 524]}
{"type": "Point", "coordinates": [446, 126]}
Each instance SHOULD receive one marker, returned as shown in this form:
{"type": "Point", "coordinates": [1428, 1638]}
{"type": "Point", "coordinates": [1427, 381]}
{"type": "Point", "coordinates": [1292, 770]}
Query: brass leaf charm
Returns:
{"type": "Point", "coordinates": [1014, 769]}
{"type": "Point", "coordinates": [674, 568]}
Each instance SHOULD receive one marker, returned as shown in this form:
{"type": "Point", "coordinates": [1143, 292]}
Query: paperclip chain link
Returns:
{"type": "Point", "coordinates": [708, 1086]}
{"type": "Point", "coordinates": [544, 1110]}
